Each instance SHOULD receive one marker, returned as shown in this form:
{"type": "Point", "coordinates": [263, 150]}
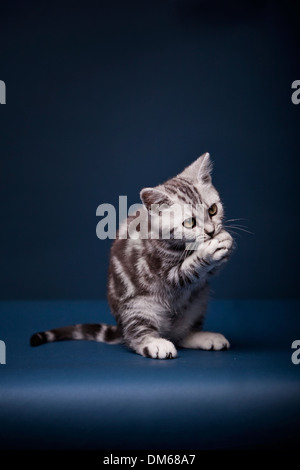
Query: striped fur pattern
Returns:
{"type": "Point", "coordinates": [93, 332]}
{"type": "Point", "coordinates": [157, 289]}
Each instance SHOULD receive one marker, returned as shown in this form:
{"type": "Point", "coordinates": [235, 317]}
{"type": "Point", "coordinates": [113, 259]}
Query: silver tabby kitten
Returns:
{"type": "Point", "coordinates": [158, 288]}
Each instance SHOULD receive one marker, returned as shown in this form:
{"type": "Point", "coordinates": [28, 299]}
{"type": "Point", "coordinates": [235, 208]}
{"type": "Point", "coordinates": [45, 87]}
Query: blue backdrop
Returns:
{"type": "Point", "coordinates": [106, 98]}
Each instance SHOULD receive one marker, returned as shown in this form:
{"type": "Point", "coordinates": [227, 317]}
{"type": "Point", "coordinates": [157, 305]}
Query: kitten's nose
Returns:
{"type": "Point", "coordinates": [210, 232]}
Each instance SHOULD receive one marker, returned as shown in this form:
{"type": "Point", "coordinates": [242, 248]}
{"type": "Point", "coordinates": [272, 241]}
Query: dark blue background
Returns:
{"type": "Point", "coordinates": [104, 98]}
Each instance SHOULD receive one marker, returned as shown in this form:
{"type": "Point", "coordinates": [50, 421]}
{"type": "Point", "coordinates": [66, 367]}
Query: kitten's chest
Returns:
{"type": "Point", "coordinates": [186, 311]}
{"type": "Point", "coordinates": [181, 300]}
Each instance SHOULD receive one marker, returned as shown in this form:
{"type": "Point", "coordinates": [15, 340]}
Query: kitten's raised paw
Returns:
{"type": "Point", "coordinates": [159, 348]}
{"type": "Point", "coordinates": [220, 247]}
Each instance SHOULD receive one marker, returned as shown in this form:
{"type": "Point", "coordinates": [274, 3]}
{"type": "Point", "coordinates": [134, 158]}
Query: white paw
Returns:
{"type": "Point", "coordinates": [213, 341]}
{"type": "Point", "coordinates": [219, 247]}
{"type": "Point", "coordinates": [159, 348]}
{"type": "Point", "coordinates": [206, 340]}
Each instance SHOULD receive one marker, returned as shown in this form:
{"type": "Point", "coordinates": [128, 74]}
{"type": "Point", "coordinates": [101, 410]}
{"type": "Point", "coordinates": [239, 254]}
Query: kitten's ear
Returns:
{"type": "Point", "coordinates": [205, 170]}
{"type": "Point", "coordinates": [200, 170]}
{"type": "Point", "coordinates": [151, 196]}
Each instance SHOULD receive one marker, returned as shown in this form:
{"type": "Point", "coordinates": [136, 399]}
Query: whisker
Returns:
{"type": "Point", "coordinates": [240, 225]}
{"type": "Point", "coordinates": [234, 220]}
{"type": "Point", "coordinates": [234, 232]}
{"type": "Point", "coordinates": [238, 228]}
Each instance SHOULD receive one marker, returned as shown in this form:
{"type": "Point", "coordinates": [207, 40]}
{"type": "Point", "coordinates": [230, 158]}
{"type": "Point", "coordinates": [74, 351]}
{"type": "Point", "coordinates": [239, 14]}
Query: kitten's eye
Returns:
{"type": "Point", "coordinates": [213, 210]}
{"type": "Point", "coordinates": [189, 223]}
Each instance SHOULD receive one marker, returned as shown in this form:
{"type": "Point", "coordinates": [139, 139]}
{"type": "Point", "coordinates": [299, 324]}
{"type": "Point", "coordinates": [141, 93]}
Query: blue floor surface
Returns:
{"type": "Point", "coordinates": [87, 395]}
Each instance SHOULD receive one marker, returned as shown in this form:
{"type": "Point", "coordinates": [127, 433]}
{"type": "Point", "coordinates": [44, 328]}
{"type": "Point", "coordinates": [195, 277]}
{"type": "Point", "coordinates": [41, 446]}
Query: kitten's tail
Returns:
{"type": "Point", "coordinates": [93, 332]}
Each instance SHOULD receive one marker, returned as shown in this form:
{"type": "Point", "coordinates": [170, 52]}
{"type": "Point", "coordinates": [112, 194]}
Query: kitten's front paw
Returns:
{"type": "Point", "coordinates": [219, 248]}
{"type": "Point", "coordinates": [159, 348]}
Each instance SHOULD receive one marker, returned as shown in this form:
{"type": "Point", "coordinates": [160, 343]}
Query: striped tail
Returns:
{"type": "Point", "coordinates": [92, 332]}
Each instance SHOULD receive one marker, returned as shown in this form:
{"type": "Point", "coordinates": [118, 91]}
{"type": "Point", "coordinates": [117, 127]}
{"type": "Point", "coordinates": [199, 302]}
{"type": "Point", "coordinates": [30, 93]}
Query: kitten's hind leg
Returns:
{"type": "Point", "coordinates": [205, 340]}
{"type": "Point", "coordinates": [141, 319]}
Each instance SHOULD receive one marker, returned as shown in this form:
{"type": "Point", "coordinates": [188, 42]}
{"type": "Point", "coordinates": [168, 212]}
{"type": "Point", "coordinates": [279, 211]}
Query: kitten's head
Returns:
{"type": "Point", "coordinates": [198, 210]}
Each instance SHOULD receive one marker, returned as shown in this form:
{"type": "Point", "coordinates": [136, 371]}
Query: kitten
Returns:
{"type": "Point", "coordinates": [158, 287]}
